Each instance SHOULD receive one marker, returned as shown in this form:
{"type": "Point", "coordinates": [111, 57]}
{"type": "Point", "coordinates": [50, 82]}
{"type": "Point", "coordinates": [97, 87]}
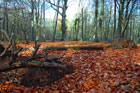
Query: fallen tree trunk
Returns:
{"type": "Point", "coordinates": [32, 65]}
{"type": "Point", "coordinates": [75, 48]}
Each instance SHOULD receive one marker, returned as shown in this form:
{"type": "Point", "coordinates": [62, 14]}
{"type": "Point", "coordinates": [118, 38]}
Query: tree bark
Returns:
{"type": "Point", "coordinates": [63, 23]}
{"type": "Point", "coordinates": [32, 20]}
{"type": "Point", "coordinates": [55, 27]}
{"type": "Point", "coordinates": [82, 27]}
{"type": "Point", "coordinates": [96, 17]}
{"type": "Point", "coordinates": [114, 18]}
{"type": "Point", "coordinates": [32, 65]}
{"type": "Point", "coordinates": [101, 18]}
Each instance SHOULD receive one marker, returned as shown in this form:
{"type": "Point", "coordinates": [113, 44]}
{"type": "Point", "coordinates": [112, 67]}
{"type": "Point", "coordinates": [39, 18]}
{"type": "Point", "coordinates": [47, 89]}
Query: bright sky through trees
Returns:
{"type": "Point", "coordinates": [73, 8]}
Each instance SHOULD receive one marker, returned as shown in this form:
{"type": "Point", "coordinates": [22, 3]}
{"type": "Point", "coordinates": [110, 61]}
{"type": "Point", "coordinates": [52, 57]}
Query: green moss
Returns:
{"type": "Point", "coordinates": [34, 61]}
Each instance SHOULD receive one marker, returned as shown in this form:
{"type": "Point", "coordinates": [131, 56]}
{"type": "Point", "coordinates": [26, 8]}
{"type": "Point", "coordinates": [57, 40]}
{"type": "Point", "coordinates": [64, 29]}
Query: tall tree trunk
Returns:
{"type": "Point", "coordinates": [133, 29]}
{"type": "Point", "coordinates": [7, 27]}
{"type": "Point", "coordinates": [5, 23]}
{"type": "Point", "coordinates": [114, 18]}
{"type": "Point", "coordinates": [82, 27]}
{"type": "Point", "coordinates": [55, 27]}
{"type": "Point", "coordinates": [86, 26]}
{"type": "Point", "coordinates": [120, 20]}
{"type": "Point", "coordinates": [77, 22]}
{"type": "Point", "coordinates": [127, 15]}
{"type": "Point", "coordinates": [101, 18]}
{"type": "Point", "coordinates": [37, 20]}
{"type": "Point", "coordinates": [44, 6]}
{"type": "Point", "coordinates": [63, 25]}
{"type": "Point", "coordinates": [32, 21]}
{"type": "Point", "coordinates": [96, 17]}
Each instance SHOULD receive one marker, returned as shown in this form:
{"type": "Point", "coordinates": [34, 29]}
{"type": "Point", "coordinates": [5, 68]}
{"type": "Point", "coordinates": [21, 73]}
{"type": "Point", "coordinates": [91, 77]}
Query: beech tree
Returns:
{"type": "Point", "coordinates": [63, 15]}
{"type": "Point", "coordinates": [125, 9]}
{"type": "Point", "coordinates": [105, 20]}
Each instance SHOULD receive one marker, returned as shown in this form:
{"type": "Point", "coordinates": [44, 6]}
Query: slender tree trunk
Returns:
{"type": "Point", "coordinates": [37, 20]}
{"type": "Point", "coordinates": [101, 18]}
{"type": "Point", "coordinates": [7, 21]}
{"type": "Point", "coordinates": [133, 29]}
{"type": "Point", "coordinates": [63, 27]}
{"type": "Point", "coordinates": [114, 18]}
{"type": "Point", "coordinates": [118, 33]}
{"type": "Point", "coordinates": [44, 18]}
{"type": "Point", "coordinates": [96, 17]}
{"type": "Point", "coordinates": [127, 15]}
{"type": "Point", "coordinates": [55, 27]}
{"type": "Point", "coordinates": [86, 26]}
{"type": "Point", "coordinates": [82, 27]}
{"type": "Point", "coordinates": [76, 28]}
{"type": "Point", "coordinates": [32, 21]}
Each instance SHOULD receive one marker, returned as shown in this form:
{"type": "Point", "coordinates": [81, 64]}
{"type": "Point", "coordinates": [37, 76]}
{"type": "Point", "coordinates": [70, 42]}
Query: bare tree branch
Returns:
{"type": "Point", "coordinates": [9, 45]}
{"type": "Point", "coordinates": [52, 4]}
{"type": "Point", "coordinates": [6, 35]}
{"type": "Point", "coordinates": [57, 11]}
{"type": "Point", "coordinates": [35, 51]}
{"type": "Point", "coordinates": [127, 17]}
{"type": "Point", "coordinates": [14, 55]}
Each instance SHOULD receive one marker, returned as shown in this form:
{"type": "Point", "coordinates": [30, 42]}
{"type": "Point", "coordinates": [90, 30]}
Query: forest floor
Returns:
{"type": "Point", "coordinates": [96, 71]}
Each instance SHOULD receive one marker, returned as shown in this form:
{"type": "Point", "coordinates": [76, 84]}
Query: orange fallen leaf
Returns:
{"type": "Point", "coordinates": [7, 82]}
{"type": "Point", "coordinates": [85, 85]}
{"type": "Point", "coordinates": [134, 80]}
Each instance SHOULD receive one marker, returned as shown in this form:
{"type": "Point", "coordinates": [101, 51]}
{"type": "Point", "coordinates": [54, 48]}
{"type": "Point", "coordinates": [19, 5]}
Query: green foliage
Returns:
{"type": "Point", "coordinates": [17, 40]}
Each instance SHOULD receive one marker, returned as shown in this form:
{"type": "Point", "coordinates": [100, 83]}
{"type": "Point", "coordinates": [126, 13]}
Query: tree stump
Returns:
{"type": "Point", "coordinates": [119, 43]}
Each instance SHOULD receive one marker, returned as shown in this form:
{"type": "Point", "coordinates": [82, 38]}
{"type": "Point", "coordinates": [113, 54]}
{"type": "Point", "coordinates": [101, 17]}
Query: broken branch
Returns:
{"type": "Point", "coordinates": [5, 33]}
{"type": "Point", "coordinates": [9, 45]}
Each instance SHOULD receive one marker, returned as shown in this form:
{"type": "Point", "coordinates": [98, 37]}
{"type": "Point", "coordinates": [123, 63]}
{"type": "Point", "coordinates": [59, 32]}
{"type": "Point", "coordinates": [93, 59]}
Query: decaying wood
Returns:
{"type": "Point", "coordinates": [35, 51]}
{"type": "Point", "coordinates": [14, 55]}
{"type": "Point", "coordinates": [50, 62]}
{"type": "Point", "coordinates": [117, 43]}
{"type": "Point", "coordinates": [58, 69]}
{"type": "Point", "coordinates": [18, 50]}
{"type": "Point", "coordinates": [13, 52]}
{"type": "Point", "coordinates": [4, 52]}
{"type": "Point", "coordinates": [9, 44]}
{"type": "Point", "coordinates": [55, 58]}
{"type": "Point", "coordinates": [1, 47]}
{"type": "Point", "coordinates": [32, 65]}
{"type": "Point", "coordinates": [121, 43]}
{"type": "Point", "coordinates": [76, 48]}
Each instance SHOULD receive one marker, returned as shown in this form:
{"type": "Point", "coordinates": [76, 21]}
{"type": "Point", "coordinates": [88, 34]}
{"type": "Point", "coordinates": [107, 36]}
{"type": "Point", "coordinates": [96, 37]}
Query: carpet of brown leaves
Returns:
{"type": "Point", "coordinates": [96, 71]}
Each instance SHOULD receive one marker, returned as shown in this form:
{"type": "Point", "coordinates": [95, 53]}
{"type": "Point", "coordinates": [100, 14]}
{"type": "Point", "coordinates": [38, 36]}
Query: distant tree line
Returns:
{"type": "Point", "coordinates": [96, 20]}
